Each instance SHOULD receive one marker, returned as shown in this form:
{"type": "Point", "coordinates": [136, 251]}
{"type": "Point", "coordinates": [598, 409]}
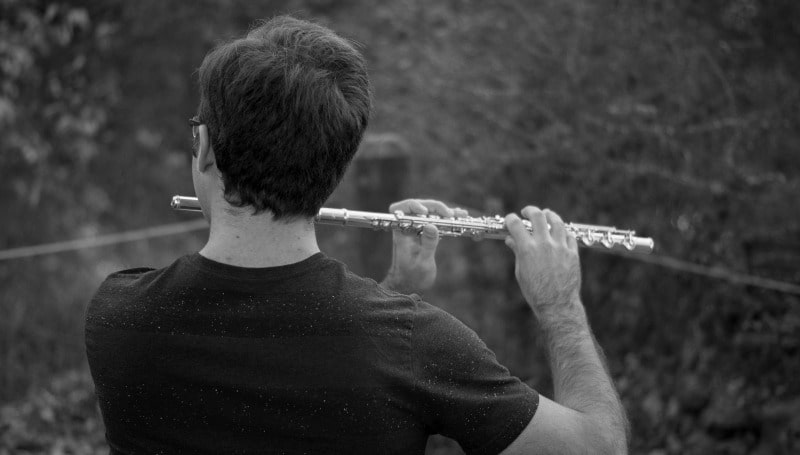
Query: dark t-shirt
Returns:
{"type": "Point", "coordinates": [202, 357]}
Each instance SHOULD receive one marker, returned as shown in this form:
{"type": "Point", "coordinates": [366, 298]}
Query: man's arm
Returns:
{"type": "Point", "coordinates": [587, 415]}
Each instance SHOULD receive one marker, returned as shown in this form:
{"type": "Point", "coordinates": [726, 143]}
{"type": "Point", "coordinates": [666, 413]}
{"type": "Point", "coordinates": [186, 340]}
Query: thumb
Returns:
{"type": "Point", "coordinates": [429, 239]}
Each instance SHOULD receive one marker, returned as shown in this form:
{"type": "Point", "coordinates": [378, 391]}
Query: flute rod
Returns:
{"type": "Point", "coordinates": [477, 228]}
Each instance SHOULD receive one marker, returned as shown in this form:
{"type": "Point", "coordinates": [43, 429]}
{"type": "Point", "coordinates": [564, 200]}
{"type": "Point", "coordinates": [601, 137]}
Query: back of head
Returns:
{"type": "Point", "coordinates": [286, 107]}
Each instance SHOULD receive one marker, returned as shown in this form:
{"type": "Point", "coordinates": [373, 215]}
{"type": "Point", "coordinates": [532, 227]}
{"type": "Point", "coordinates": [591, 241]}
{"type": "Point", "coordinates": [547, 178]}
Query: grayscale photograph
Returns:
{"type": "Point", "coordinates": [445, 227]}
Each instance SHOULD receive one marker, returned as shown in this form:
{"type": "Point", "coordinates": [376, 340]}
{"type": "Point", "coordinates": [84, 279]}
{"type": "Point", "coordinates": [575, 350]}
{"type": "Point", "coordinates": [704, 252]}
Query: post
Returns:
{"type": "Point", "coordinates": [381, 176]}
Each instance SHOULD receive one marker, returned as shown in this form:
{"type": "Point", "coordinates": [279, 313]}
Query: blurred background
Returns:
{"type": "Point", "coordinates": [679, 119]}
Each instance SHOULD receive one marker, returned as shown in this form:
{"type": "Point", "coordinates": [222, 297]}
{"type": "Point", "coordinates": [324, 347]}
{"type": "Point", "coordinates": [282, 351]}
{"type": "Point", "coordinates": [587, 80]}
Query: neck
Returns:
{"type": "Point", "coordinates": [241, 239]}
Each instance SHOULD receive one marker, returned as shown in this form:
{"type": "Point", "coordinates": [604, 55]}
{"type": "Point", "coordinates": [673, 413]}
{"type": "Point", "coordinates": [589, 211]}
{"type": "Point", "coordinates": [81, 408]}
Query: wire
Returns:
{"type": "Point", "coordinates": [103, 240]}
{"type": "Point", "coordinates": [189, 226]}
{"type": "Point", "coordinates": [719, 273]}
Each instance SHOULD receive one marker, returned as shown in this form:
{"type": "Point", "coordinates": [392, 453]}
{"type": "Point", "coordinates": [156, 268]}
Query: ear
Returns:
{"type": "Point", "coordinates": [205, 152]}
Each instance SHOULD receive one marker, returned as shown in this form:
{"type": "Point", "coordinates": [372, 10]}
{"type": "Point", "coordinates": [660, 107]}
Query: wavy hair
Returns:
{"type": "Point", "coordinates": [286, 107]}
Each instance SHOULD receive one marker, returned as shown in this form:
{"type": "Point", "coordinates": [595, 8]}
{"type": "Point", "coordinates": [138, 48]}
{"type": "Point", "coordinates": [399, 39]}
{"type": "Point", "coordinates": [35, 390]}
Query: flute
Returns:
{"type": "Point", "coordinates": [475, 227]}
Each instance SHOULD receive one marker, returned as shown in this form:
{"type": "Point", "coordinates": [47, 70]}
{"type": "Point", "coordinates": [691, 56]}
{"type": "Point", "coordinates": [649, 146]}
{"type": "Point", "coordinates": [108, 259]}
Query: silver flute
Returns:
{"type": "Point", "coordinates": [478, 228]}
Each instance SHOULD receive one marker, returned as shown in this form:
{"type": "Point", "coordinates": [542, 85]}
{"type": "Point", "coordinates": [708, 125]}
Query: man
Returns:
{"type": "Point", "coordinates": [259, 343]}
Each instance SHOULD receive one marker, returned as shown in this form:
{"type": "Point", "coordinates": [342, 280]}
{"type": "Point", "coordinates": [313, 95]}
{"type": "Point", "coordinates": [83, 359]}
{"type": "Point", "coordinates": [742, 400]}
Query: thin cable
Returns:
{"type": "Point", "coordinates": [103, 240]}
{"type": "Point", "coordinates": [189, 226]}
{"type": "Point", "coordinates": [711, 272]}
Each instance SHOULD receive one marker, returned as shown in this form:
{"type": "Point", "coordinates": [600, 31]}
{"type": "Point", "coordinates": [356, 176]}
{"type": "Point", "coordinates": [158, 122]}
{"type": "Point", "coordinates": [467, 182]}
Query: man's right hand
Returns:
{"type": "Point", "coordinates": [587, 415]}
{"type": "Point", "coordinates": [547, 262]}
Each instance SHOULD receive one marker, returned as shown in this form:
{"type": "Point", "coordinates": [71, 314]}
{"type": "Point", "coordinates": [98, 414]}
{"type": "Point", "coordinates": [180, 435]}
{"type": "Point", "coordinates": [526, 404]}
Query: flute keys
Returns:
{"type": "Point", "coordinates": [589, 237]}
{"type": "Point", "coordinates": [629, 242]}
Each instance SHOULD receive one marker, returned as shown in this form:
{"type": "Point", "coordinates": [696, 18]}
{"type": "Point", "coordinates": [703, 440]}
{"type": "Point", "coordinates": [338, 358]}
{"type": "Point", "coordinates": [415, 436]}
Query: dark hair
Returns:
{"type": "Point", "coordinates": [286, 107]}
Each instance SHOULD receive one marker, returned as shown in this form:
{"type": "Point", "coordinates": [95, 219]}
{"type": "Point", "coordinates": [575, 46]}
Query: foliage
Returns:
{"type": "Point", "coordinates": [66, 403]}
{"type": "Point", "coordinates": [679, 119]}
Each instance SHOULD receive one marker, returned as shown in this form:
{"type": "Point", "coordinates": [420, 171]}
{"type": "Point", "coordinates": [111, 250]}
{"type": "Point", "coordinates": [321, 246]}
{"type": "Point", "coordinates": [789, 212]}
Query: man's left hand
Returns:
{"type": "Point", "coordinates": [413, 263]}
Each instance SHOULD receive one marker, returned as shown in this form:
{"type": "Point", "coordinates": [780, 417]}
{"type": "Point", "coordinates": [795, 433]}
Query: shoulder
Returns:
{"type": "Point", "coordinates": [366, 291]}
{"type": "Point", "coordinates": [121, 286]}
{"type": "Point", "coordinates": [132, 280]}
{"type": "Point", "coordinates": [144, 274]}
{"type": "Point", "coordinates": [444, 346]}
{"type": "Point", "coordinates": [432, 327]}
{"type": "Point", "coordinates": [127, 294]}
{"type": "Point", "coordinates": [128, 274]}
{"type": "Point", "coordinates": [127, 277]}
{"type": "Point", "coordinates": [432, 321]}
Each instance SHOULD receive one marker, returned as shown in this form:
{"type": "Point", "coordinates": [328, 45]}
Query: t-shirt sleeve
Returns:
{"type": "Point", "coordinates": [465, 394]}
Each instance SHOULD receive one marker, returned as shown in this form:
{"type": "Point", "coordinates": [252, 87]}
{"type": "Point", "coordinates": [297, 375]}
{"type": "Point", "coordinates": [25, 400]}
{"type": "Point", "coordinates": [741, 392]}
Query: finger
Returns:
{"type": "Point", "coordinates": [572, 242]}
{"type": "Point", "coordinates": [437, 207]}
{"type": "Point", "coordinates": [538, 221]}
{"type": "Point", "coordinates": [458, 212]}
{"type": "Point", "coordinates": [409, 206]}
{"type": "Point", "coordinates": [429, 239]}
{"type": "Point", "coordinates": [516, 229]}
{"type": "Point", "coordinates": [557, 229]}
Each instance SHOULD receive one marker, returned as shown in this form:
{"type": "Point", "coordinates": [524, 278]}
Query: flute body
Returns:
{"type": "Point", "coordinates": [474, 227]}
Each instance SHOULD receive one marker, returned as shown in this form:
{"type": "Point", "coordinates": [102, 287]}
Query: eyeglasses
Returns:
{"type": "Point", "coordinates": [195, 123]}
